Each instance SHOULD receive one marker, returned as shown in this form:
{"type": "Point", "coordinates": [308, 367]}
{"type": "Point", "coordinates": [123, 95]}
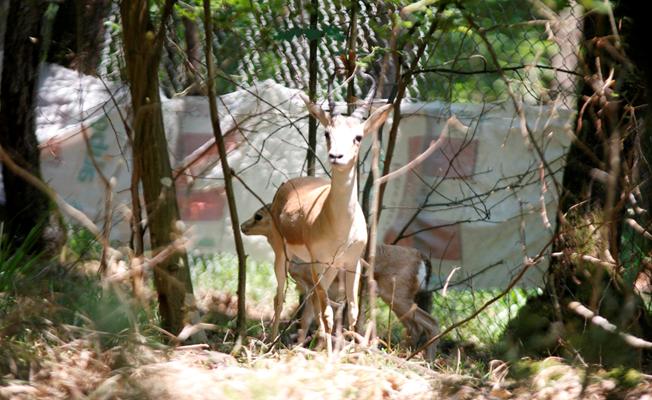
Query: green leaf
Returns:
{"type": "Point", "coordinates": [597, 6]}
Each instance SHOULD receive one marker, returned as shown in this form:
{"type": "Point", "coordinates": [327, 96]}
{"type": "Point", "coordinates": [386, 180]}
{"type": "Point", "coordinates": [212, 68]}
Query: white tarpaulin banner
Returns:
{"type": "Point", "coordinates": [474, 206]}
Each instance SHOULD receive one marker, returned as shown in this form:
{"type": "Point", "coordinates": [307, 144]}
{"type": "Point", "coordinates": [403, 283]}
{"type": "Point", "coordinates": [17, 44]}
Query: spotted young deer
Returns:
{"type": "Point", "coordinates": [401, 273]}
{"type": "Point", "coordinates": [319, 220]}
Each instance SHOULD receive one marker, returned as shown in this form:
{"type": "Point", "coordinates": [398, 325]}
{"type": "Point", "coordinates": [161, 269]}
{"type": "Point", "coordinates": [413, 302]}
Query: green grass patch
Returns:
{"type": "Point", "coordinates": [220, 272]}
{"type": "Point", "coordinates": [18, 263]}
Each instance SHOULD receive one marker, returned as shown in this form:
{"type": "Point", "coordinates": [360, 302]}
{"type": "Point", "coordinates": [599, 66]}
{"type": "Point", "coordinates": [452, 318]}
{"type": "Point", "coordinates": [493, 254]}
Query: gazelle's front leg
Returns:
{"type": "Point", "coordinates": [351, 285]}
{"type": "Point", "coordinates": [280, 270]}
{"type": "Point", "coordinates": [306, 317]}
{"type": "Point", "coordinates": [321, 283]}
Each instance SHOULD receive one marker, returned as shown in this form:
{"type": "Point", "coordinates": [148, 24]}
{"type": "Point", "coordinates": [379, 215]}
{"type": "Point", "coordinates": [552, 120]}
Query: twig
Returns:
{"type": "Point", "coordinates": [135, 221]}
{"type": "Point", "coordinates": [542, 199]}
{"type": "Point", "coordinates": [228, 183]}
{"type": "Point", "coordinates": [488, 71]}
{"type": "Point", "coordinates": [200, 346]}
{"type": "Point", "coordinates": [402, 87]}
{"type": "Point", "coordinates": [594, 260]}
{"type": "Point", "coordinates": [151, 263]}
{"type": "Point", "coordinates": [373, 231]}
{"type": "Point", "coordinates": [190, 330]}
{"type": "Point", "coordinates": [109, 184]}
{"type": "Point", "coordinates": [434, 145]}
{"type": "Point", "coordinates": [526, 132]}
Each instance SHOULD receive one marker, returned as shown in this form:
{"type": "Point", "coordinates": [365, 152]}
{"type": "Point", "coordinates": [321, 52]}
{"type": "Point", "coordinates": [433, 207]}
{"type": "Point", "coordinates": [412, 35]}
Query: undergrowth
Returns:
{"type": "Point", "coordinates": [70, 336]}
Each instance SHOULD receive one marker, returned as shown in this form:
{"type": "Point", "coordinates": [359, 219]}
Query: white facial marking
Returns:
{"type": "Point", "coordinates": [343, 139]}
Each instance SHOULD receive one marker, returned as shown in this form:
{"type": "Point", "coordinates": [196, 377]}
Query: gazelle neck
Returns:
{"type": "Point", "coordinates": [342, 199]}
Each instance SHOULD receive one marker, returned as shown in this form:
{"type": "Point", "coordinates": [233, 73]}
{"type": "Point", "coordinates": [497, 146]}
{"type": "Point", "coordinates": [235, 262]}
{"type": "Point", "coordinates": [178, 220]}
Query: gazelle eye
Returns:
{"type": "Point", "coordinates": [258, 217]}
{"type": "Point", "coordinates": [358, 138]}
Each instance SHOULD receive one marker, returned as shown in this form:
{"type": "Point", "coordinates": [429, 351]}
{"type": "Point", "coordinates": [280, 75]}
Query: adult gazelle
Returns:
{"type": "Point", "coordinates": [319, 220]}
{"type": "Point", "coordinates": [402, 275]}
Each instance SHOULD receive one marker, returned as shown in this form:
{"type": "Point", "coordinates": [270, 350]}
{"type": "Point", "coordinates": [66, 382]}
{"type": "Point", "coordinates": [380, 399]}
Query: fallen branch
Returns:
{"type": "Point", "coordinates": [638, 228]}
{"type": "Point", "coordinates": [603, 323]}
{"type": "Point", "coordinates": [54, 196]}
{"type": "Point", "coordinates": [160, 257]}
{"type": "Point", "coordinates": [190, 330]}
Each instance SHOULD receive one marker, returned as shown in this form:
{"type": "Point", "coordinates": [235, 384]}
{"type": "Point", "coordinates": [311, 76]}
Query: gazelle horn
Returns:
{"type": "Point", "coordinates": [361, 111]}
{"type": "Point", "coordinates": [331, 102]}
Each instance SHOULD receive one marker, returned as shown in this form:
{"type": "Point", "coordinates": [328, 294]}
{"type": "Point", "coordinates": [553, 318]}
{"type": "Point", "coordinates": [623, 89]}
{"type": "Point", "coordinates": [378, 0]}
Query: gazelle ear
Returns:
{"type": "Point", "coordinates": [315, 110]}
{"type": "Point", "coordinates": [376, 119]}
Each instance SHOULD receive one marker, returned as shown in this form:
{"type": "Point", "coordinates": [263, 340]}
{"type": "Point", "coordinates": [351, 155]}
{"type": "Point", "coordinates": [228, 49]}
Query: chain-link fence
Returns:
{"type": "Point", "coordinates": [468, 57]}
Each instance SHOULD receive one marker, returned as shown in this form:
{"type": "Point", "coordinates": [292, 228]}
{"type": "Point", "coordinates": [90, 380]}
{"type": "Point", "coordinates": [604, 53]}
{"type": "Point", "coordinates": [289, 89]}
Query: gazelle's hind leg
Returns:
{"type": "Point", "coordinates": [321, 283]}
{"type": "Point", "coordinates": [429, 329]}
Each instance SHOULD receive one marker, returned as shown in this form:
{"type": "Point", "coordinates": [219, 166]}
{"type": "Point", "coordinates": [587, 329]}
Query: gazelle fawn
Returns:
{"type": "Point", "coordinates": [320, 221]}
{"type": "Point", "coordinates": [401, 275]}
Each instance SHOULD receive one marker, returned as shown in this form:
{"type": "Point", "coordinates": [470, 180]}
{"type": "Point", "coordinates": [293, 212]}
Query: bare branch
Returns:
{"type": "Point", "coordinates": [529, 263]}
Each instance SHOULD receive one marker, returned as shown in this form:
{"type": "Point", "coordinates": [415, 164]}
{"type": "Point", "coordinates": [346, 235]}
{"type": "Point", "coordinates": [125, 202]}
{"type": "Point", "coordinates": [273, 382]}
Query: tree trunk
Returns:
{"type": "Point", "coordinates": [596, 164]}
{"type": "Point", "coordinates": [26, 206]}
{"type": "Point", "coordinates": [193, 52]}
{"type": "Point", "coordinates": [593, 264]}
{"type": "Point", "coordinates": [637, 49]}
{"type": "Point", "coordinates": [78, 34]}
{"type": "Point", "coordinates": [312, 87]}
{"type": "Point", "coordinates": [142, 46]}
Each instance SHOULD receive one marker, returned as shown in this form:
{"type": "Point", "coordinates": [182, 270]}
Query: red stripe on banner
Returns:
{"type": "Point", "coordinates": [197, 164]}
{"type": "Point", "coordinates": [191, 141]}
{"type": "Point", "coordinates": [201, 206]}
{"type": "Point", "coordinates": [455, 159]}
{"type": "Point", "coordinates": [435, 238]}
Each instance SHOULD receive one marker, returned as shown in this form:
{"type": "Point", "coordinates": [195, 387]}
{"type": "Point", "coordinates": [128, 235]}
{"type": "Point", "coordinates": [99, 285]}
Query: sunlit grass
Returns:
{"type": "Point", "coordinates": [220, 272]}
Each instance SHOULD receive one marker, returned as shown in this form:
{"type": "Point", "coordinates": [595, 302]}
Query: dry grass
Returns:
{"type": "Point", "coordinates": [78, 370]}
{"type": "Point", "coordinates": [135, 370]}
